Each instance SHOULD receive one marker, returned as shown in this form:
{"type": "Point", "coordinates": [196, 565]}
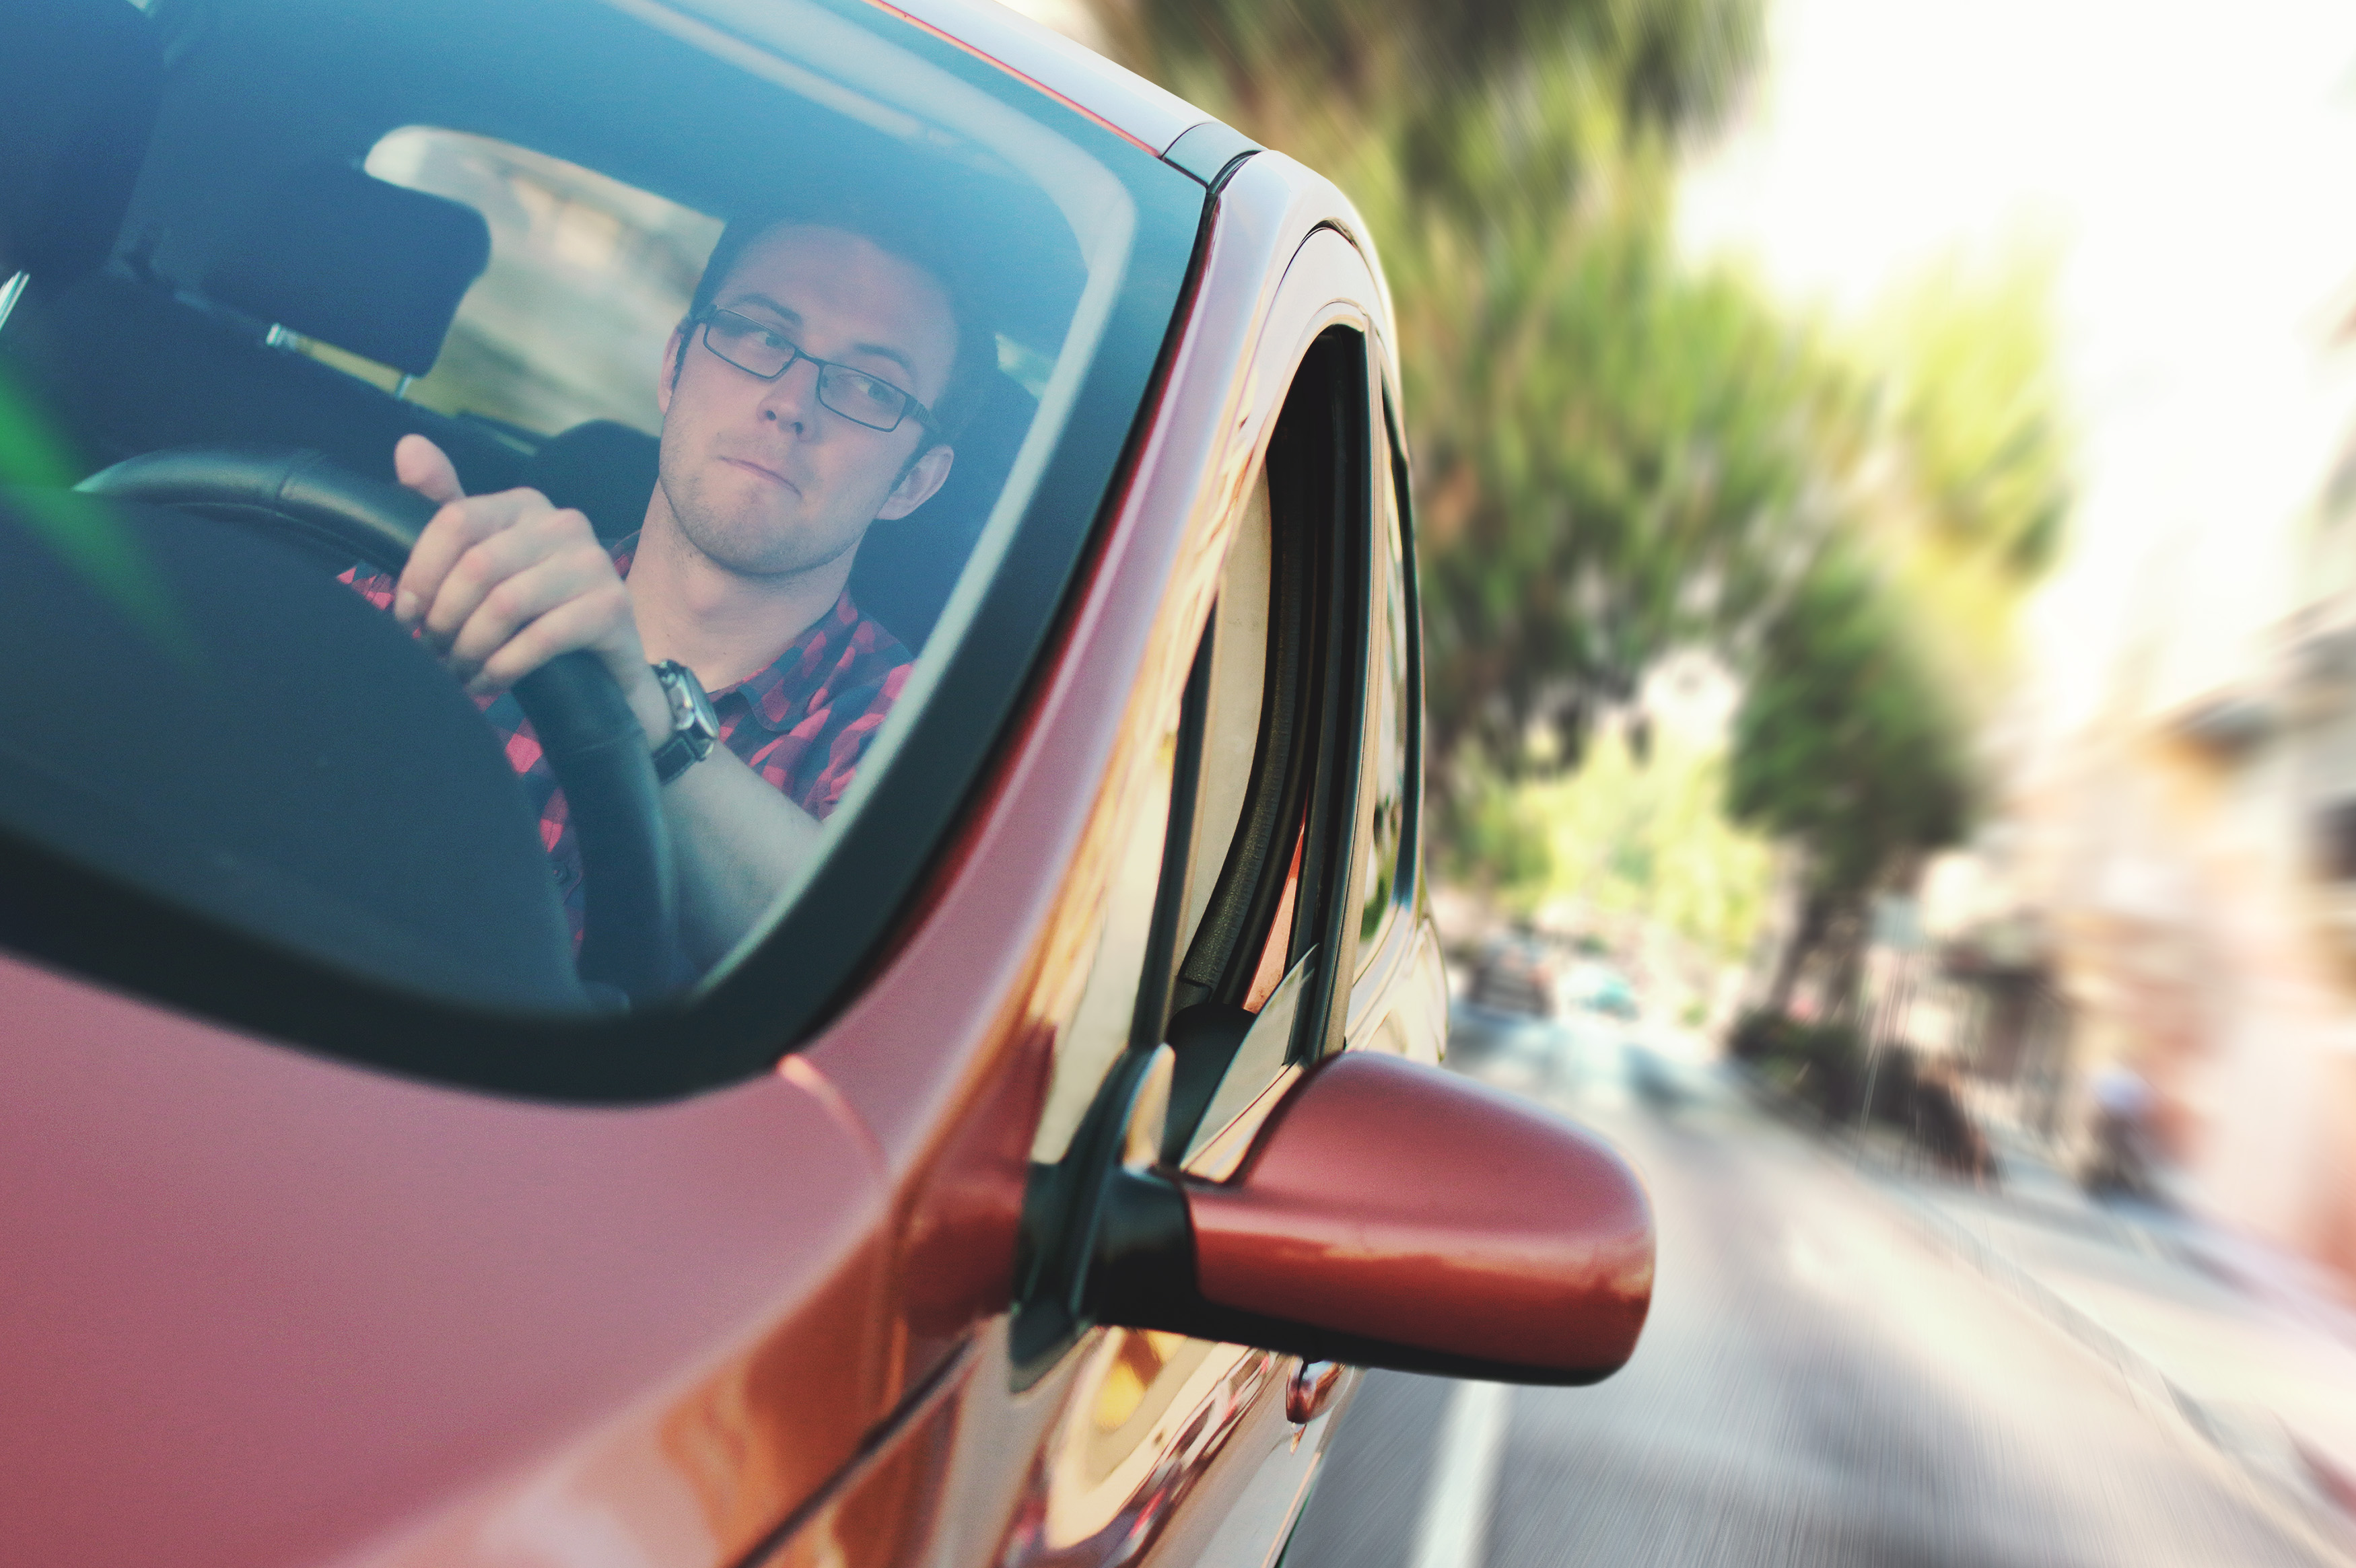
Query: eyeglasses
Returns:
{"type": "Point", "coordinates": [765, 352]}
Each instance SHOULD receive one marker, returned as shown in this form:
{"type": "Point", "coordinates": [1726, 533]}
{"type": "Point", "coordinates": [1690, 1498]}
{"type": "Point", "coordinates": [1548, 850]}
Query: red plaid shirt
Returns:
{"type": "Point", "coordinates": [802, 723]}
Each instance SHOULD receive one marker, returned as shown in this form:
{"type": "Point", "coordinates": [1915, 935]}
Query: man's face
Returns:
{"type": "Point", "coordinates": [763, 478]}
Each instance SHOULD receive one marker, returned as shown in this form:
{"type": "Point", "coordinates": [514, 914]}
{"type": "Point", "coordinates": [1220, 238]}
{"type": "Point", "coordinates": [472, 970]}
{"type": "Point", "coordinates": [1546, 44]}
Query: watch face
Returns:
{"type": "Point", "coordinates": [706, 718]}
{"type": "Point", "coordinates": [692, 715]}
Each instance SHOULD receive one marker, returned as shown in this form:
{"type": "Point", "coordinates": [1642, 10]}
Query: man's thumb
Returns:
{"type": "Point", "coordinates": [422, 467]}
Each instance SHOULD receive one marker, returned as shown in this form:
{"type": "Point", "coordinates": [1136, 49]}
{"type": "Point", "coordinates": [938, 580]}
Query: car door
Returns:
{"type": "Point", "coordinates": [1171, 1449]}
{"type": "Point", "coordinates": [1210, 904]}
{"type": "Point", "coordinates": [325, 1258]}
{"type": "Point", "coordinates": [1399, 999]}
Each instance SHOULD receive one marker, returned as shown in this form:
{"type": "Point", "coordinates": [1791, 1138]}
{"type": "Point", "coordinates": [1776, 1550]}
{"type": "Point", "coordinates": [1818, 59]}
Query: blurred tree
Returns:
{"type": "Point", "coordinates": [1968, 486]}
{"type": "Point", "coordinates": [1972, 397]}
{"type": "Point", "coordinates": [1853, 743]}
{"type": "Point", "coordinates": [1302, 74]}
{"type": "Point", "coordinates": [1620, 455]}
{"type": "Point", "coordinates": [1627, 835]}
{"type": "Point", "coordinates": [1611, 453]}
{"type": "Point", "coordinates": [1848, 748]}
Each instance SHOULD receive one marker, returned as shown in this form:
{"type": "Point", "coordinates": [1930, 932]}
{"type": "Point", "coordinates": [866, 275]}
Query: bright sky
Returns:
{"type": "Point", "coordinates": [2194, 169]}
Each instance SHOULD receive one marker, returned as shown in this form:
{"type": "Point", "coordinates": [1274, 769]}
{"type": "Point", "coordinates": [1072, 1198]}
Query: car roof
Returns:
{"type": "Point", "coordinates": [1137, 109]}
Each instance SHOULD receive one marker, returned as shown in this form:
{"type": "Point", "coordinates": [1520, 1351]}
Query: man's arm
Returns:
{"type": "Point", "coordinates": [500, 584]}
{"type": "Point", "coordinates": [738, 842]}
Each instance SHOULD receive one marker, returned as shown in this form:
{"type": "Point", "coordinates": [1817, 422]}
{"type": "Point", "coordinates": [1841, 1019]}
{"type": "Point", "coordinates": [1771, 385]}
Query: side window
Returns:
{"type": "Point", "coordinates": [1229, 918]}
{"type": "Point", "coordinates": [1276, 706]}
{"type": "Point", "coordinates": [1386, 872]}
{"type": "Point", "coordinates": [1240, 959]}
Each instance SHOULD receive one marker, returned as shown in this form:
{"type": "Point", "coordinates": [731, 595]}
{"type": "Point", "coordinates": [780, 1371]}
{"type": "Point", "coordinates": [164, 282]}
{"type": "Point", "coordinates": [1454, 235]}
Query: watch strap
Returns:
{"type": "Point", "coordinates": [695, 728]}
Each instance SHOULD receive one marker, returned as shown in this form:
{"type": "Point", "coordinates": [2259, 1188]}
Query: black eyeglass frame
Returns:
{"type": "Point", "coordinates": [910, 405]}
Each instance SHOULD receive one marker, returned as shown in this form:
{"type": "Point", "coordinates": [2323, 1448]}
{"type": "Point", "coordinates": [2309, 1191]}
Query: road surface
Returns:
{"type": "Point", "coordinates": [1816, 1385]}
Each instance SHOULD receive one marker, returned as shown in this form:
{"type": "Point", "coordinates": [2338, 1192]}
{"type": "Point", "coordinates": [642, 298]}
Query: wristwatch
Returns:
{"type": "Point", "coordinates": [694, 727]}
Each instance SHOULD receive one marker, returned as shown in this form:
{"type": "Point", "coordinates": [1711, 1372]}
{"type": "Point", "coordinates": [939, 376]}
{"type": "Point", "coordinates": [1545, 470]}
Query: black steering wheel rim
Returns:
{"type": "Point", "coordinates": [593, 742]}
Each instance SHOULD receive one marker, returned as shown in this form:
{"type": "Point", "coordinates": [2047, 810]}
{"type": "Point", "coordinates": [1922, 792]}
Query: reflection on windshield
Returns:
{"type": "Point", "coordinates": [587, 277]}
{"type": "Point", "coordinates": [503, 341]}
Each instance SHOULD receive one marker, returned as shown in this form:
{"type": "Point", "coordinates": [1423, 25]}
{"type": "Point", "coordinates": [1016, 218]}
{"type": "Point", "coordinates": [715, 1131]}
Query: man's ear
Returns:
{"type": "Point", "coordinates": [916, 485]}
{"type": "Point", "coordinates": [667, 377]}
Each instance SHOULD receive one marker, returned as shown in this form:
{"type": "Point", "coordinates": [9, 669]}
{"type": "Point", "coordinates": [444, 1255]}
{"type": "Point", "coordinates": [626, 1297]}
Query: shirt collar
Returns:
{"type": "Point", "coordinates": [765, 691]}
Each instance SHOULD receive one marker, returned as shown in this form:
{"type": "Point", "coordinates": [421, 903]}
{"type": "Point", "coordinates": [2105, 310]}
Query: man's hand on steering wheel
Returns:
{"type": "Point", "coordinates": [503, 584]}
{"type": "Point", "coordinates": [500, 585]}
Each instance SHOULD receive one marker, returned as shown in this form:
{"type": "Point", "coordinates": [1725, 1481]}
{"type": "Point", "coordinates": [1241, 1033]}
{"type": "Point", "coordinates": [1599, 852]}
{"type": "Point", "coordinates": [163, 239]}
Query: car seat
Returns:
{"type": "Point", "coordinates": [127, 361]}
{"type": "Point", "coordinates": [82, 81]}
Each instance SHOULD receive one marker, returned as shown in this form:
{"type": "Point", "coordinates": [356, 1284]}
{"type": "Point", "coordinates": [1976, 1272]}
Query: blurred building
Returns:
{"type": "Point", "coordinates": [2180, 876]}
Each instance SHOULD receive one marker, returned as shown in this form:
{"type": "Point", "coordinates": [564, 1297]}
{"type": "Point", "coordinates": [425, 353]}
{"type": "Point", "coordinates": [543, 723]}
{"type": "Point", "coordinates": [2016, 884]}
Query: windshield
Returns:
{"type": "Point", "coordinates": [766, 363]}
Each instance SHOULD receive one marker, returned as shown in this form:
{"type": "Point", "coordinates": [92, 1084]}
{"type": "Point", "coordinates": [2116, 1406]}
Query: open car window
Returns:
{"type": "Point", "coordinates": [354, 222]}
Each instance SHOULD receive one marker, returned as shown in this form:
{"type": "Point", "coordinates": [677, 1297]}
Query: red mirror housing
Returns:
{"type": "Point", "coordinates": [1396, 1215]}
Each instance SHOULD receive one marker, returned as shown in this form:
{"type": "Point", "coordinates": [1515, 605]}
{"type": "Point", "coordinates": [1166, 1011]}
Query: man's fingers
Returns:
{"type": "Point", "coordinates": [500, 584]}
{"type": "Point", "coordinates": [505, 553]}
{"type": "Point", "coordinates": [587, 621]}
{"type": "Point", "coordinates": [426, 469]}
{"type": "Point", "coordinates": [456, 529]}
{"type": "Point", "coordinates": [517, 600]}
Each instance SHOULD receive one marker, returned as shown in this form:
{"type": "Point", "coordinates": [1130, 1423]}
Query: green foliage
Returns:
{"type": "Point", "coordinates": [1622, 836]}
{"type": "Point", "coordinates": [1612, 451]}
{"type": "Point", "coordinates": [1620, 455]}
{"type": "Point", "coordinates": [1853, 742]}
{"type": "Point", "coordinates": [1972, 402]}
{"type": "Point", "coordinates": [1844, 742]}
{"type": "Point", "coordinates": [1412, 72]}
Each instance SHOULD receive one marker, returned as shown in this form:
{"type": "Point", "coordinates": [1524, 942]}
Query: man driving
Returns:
{"type": "Point", "coordinates": [814, 387]}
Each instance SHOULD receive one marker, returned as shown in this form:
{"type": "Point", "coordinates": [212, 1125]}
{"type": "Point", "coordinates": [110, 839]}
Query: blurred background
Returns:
{"type": "Point", "coordinates": [1887, 503]}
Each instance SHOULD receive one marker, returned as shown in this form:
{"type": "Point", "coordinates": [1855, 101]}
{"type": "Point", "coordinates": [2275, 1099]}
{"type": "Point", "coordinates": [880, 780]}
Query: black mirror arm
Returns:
{"type": "Point", "coordinates": [1203, 1041]}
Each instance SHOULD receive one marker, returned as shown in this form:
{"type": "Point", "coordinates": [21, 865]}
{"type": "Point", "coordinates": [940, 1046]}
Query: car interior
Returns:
{"type": "Point", "coordinates": [251, 220]}
{"type": "Point", "coordinates": [184, 197]}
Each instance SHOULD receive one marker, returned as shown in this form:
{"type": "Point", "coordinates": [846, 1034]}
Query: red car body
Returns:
{"type": "Point", "coordinates": [262, 1305]}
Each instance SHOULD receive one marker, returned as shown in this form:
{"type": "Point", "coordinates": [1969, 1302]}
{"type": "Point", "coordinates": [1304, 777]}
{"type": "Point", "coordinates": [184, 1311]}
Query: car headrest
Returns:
{"type": "Point", "coordinates": [603, 469]}
{"type": "Point", "coordinates": [373, 268]}
{"type": "Point", "coordinates": [82, 81]}
{"type": "Point", "coordinates": [907, 566]}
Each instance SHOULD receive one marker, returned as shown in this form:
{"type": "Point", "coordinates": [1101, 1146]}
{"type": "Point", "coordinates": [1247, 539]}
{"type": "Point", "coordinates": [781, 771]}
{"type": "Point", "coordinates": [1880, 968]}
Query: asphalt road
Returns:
{"type": "Point", "coordinates": [1816, 1385]}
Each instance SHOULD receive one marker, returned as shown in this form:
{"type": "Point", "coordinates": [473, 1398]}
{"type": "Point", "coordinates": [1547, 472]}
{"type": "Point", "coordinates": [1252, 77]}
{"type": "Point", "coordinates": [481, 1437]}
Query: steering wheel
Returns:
{"type": "Point", "coordinates": [592, 739]}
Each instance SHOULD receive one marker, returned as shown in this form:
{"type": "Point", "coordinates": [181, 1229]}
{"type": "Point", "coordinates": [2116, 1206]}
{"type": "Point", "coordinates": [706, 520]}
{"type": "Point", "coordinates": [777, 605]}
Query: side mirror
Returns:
{"type": "Point", "coordinates": [1393, 1215]}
